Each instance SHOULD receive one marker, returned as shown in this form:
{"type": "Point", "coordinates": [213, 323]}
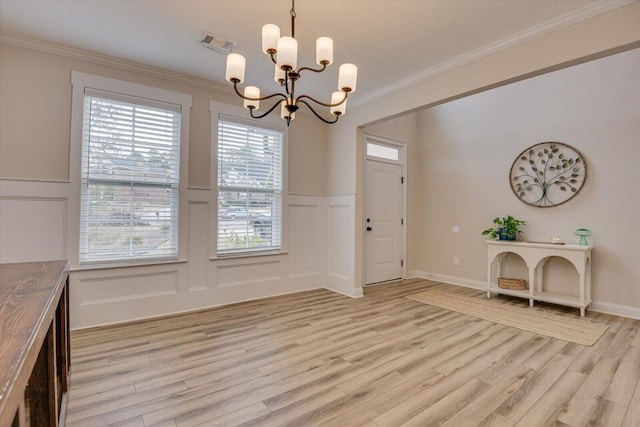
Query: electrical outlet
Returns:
{"type": "Point", "coordinates": [456, 261]}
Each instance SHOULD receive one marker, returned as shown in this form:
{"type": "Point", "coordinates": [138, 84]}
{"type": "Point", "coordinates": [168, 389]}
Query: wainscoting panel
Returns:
{"type": "Point", "coordinates": [199, 232]}
{"type": "Point", "coordinates": [340, 248]}
{"type": "Point", "coordinates": [32, 229]}
{"type": "Point", "coordinates": [38, 221]}
{"type": "Point", "coordinates": [306, 236]}
{"type": "Point", "coordinates": [248, 271]}
{"type": "Point", "coordinates": [33, 220]}
{"type": "Point", "coordinates": [106, 287]}
{"type": "Point", "coordinates": [102, 297]}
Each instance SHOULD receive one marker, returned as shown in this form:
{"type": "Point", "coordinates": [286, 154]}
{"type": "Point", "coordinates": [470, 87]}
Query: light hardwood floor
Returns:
{"type": "Point", "coordinates": [318, 358]}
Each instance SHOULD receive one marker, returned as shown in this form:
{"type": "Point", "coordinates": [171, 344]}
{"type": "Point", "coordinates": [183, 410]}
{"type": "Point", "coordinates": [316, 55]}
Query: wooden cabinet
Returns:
{"type": "Point", "coordinates": [535, 255]}
{"type": "Point", "coordinates": [34, 346]}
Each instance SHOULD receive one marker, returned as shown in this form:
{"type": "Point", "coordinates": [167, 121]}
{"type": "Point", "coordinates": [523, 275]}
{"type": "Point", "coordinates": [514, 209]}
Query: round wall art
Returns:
{"type": "Point", "coordinates": [548, 174]}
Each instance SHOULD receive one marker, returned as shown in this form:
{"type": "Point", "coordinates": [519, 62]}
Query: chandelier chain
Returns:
{"type": "Point", "coordinates": [293, 18]}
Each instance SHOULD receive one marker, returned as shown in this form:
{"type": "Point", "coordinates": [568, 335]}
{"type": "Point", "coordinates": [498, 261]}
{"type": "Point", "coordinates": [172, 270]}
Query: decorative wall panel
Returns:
{"type": "Point", "coordinates": [32, 229]}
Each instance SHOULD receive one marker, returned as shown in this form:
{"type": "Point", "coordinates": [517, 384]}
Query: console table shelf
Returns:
{"type": "Point", "coordinates": [535, 255]}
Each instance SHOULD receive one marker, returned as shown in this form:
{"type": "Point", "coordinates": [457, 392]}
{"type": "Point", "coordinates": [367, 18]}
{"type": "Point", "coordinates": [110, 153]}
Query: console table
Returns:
{"type": "Point", "coordinates": [34, 345]}
{"type": "Point", "coordinates": [535, 255]}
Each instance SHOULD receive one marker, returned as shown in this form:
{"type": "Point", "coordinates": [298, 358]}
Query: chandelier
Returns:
{"type": "Point", "coordinates": [284, 54]}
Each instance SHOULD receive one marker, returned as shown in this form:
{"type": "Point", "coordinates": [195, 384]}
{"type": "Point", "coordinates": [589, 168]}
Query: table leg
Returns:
{"type": "Point", "coordinates": [583, 283]}
{"type": "Point", "coordinates": [489, 278]}
{"type": "Point", "coordinates": [532, 281]}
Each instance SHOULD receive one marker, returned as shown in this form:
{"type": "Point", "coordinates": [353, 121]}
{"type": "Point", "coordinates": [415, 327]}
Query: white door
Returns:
{"type": "Point", "coordinates": [383, 221]}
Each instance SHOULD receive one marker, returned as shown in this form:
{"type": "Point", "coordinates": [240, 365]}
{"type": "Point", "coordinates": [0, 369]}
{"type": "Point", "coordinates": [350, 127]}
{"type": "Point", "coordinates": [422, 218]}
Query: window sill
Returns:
{"type": "Point", "coordinates": [141, 263]}
{"type": "Point", "coordinates": [240, 255]}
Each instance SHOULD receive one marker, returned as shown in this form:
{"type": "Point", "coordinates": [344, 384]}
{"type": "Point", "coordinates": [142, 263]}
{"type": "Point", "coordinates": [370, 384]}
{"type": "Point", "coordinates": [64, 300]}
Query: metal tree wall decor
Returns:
{"type": "Point", "coordinates": [548, 174]}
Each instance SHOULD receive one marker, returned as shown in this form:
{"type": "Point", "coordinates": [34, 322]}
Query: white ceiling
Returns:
{"type": "Point", "coordinates": [389, 40]}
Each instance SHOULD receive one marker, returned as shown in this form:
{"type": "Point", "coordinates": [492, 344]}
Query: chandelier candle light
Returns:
{"type": "Point", "coordinates": [284, 54]}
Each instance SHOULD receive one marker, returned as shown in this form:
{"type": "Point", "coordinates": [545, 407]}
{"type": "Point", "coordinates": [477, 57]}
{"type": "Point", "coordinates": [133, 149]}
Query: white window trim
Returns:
{"type": "Point", "coordinates": [216, 109]}
{"type": "Point", "coordinates": [81, 81]}
{"type": "Point", "coordinates": [385, 142]}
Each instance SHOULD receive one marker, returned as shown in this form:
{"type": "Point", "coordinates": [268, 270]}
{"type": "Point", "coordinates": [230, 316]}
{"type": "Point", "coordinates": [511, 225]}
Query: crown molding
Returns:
{"type": "Point", "coordinates": [549, 26]}
{"type": "Point", "coordinates": [110, 61]}
{"type": "Point", "coordinates": [554, 24]}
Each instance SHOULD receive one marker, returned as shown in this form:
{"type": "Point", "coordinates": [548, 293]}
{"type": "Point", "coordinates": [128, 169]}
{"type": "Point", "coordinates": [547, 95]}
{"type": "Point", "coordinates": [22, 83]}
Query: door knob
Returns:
{"type": "Point", "coordinates": [369, 228]}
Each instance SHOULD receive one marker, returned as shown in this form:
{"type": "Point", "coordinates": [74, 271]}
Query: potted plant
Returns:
{"type": "Point", "coordinates": [505, 228]}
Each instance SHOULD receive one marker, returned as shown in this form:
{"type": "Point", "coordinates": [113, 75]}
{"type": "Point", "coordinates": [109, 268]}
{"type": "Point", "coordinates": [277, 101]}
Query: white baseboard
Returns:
{"type": "Point", "coordinates": [597, 306]}
{"type": "Point", "coordinates": [617, 309]}
{"type": "Point", "coordinates": [188, 310]}
{"type": "Point", "coordinates": [451, 280]}
{"type": "Point", "coordinates": [355, 293]}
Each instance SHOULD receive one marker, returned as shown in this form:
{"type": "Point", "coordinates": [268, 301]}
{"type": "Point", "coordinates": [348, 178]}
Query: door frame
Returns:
{"type": "Point", "coordinates": [402, 161]}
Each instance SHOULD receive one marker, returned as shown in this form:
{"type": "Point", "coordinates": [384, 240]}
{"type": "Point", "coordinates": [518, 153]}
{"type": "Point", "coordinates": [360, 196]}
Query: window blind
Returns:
{"type": "Point", "coordinates": [249, 186]}
{"type": "Point", "coordinates": [130, 178]}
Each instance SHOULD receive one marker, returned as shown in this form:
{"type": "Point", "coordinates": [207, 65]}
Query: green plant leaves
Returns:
{"type": "Point", "coordinates": [507, 225]}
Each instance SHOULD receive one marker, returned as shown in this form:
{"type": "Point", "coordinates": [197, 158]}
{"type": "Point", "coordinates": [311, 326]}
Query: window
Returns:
{"type": "Point", "coordinates": [382, 151]}
{"type": "Point", "coordinates": [130, 178]}
{"type": "Point", "coordinates": [250, 179]}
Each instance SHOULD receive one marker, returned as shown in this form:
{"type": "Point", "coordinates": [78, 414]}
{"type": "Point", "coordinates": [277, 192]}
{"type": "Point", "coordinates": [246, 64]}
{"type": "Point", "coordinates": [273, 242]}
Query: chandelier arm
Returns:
{"type": "Point", "coordinates": [273, 57]}
{"type": "Point", "coordinates": [318, 115]}
{"type": "Point", "coordinates": [235, 86]}
{"type": "Point", "coordinates": [265, 114]}
{"type": "Point", "coordinates": [299, 99]}
{"type": "Point", "coordinates": [315, 70]}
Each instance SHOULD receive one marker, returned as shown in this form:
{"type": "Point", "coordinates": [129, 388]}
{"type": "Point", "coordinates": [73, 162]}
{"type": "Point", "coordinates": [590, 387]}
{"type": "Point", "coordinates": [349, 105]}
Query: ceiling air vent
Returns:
{"type": "Point", "coordinates": [217, 43]}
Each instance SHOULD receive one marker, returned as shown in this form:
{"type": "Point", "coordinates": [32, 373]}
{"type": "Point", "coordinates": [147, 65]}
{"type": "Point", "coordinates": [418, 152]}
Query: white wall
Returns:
{"type": "Point", "coordinates": [33, 228]}
{"type": "Point", "coordinates": [596, 37]}
{"type": "Point", "coordinates": [614, 31]}
{"type": "Point", "coordinates": [37, 201]}
{"type": "Point", "coordinates": [465, 149]}
{"type": "Point", "coordinates": [34, 88]}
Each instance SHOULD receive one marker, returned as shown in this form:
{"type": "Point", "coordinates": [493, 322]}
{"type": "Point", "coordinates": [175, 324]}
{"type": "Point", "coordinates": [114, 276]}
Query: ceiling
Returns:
{"type": "Point", "coordinates": [390, 41]}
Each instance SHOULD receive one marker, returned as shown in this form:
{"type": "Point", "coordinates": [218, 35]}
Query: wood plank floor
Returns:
{"type": "Point", "coordinates": [318, 358]}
